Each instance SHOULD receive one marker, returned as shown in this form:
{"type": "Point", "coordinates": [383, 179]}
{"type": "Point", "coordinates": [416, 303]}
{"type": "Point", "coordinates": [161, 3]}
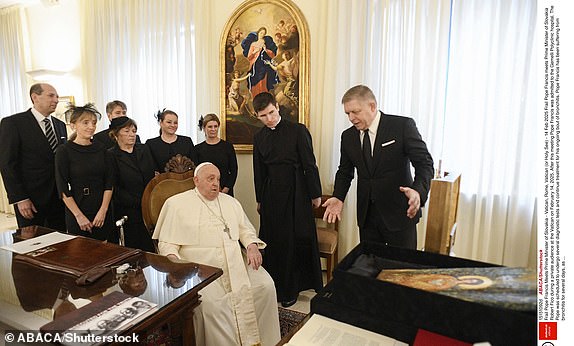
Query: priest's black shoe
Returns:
{"type": "Point", "coordinates": [288, 303]}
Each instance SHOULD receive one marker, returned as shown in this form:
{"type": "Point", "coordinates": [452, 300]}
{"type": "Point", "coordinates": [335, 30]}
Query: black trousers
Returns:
{"type": "Point", "coordinates": [50, 215]}
{"type": "Point", "coordinates": [375, 230]}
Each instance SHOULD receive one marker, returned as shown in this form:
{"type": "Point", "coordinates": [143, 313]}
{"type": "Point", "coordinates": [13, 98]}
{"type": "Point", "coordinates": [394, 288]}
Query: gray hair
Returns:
{"type": "Point", "coordinates": [360, 91]}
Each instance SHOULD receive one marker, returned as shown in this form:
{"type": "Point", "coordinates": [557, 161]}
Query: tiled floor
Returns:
{"type": "Point", "coordinates": [304, 301]}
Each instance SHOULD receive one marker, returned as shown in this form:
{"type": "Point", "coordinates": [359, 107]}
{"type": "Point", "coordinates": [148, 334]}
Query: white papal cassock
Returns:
{"type": "Point", "coordinates": [241, 306]}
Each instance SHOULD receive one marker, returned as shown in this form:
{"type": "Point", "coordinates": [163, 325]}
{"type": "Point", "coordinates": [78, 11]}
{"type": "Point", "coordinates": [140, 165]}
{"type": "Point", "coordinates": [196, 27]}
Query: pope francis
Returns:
{"type": "Point", "coordinates": [205, 226]}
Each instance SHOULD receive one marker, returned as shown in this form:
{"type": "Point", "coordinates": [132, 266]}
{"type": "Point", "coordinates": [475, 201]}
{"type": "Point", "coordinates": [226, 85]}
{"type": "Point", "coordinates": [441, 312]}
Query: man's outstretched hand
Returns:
{"type": "Point", "coordinates": [414, 200]}
{"type": "Point", "coordinates": [333, 206]}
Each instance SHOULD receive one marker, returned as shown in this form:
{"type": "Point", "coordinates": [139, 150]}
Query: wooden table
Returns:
{"type": "Point", "coordinates": [36, 290]}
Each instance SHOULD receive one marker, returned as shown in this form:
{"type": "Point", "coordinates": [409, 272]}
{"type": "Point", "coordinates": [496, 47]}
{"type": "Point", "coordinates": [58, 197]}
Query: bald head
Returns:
{"type": "Point", "coordinates": [206, 179]}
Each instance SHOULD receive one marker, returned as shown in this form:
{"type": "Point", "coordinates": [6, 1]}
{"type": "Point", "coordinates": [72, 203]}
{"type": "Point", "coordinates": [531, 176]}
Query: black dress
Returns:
{"type": "Point", "coordinates": [286, 180]}
{"type": "Point", "coordinates": [84, 172]}
{"type": "Point", "coordinates": [132, 172]}
{"type": "Point", "coordinates": [161, 151]}
{"type": "Point", "coordinates": [222, 155]}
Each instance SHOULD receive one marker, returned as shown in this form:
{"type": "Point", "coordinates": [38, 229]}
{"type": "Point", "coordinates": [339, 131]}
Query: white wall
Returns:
{"type": "Point", "coordinates": [54, 44]}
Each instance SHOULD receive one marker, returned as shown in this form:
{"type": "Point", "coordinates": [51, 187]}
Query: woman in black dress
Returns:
{"type": "Point", "coordinates": [84, 177]}
{"type": "Point", "coordinates": [168, 144]}
{"type": "Point", "coordinates": [218, 152]}
{"type": "Point", "coordinates": [133, 169]}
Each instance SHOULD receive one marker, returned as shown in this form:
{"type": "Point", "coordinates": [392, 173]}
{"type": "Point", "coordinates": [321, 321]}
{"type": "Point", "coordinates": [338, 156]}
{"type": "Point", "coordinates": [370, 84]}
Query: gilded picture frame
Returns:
{"type": "Point", "coordinates": [264, 47]}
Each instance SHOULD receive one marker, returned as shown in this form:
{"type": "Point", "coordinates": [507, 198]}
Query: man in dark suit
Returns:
{"type": "Point", "coordinates": [114, 109]}
{"type": "Point", "coordinates": [388, 199]}
{"type": "Point", "coordinates": [28, 141]}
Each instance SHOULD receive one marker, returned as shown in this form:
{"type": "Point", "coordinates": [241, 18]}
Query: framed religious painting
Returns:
{"type": "Point", "coordinates": [264, 47]}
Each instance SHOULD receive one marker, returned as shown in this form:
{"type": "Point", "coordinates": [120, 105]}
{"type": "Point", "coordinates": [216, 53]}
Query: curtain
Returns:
{"type": "Point", "coordinates": [490, 127]}
{"type": "Point", "coordinates": [465, 71]}
{"type": "Point", "coordinates": [13, 93]}
{"type": "Point", "coordinates": [408, 49]}
{"type": "Point", "coordinates": [338, 61]}
{"type": "Point", "coordinates": [141, 52]}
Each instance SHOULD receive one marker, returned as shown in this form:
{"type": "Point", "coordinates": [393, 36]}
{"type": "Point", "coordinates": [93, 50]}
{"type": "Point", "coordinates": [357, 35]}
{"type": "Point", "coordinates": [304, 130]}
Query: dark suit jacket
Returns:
{"type": "Point", "coordinates": [26, 159]}
{"type": "Point", "coordinates": [397, 144]}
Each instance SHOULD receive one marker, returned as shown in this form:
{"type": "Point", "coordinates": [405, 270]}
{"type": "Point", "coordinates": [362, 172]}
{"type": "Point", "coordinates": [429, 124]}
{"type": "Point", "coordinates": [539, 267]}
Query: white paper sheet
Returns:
{"type": "Point", "coordinates": [321, 330]}
{"type": "Point", "coordinates": [37, 243]}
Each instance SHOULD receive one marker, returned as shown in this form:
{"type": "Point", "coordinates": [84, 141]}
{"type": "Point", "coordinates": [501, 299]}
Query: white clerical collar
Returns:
{"type": "Point", "coordinates": [205, 200]}
{"type": "Point", "coordinates": [273, 128]}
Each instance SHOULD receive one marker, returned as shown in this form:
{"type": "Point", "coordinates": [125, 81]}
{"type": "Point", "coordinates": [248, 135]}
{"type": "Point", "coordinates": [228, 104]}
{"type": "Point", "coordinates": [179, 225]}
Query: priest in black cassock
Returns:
{"type": "Point", "coordinates": [287, 187]}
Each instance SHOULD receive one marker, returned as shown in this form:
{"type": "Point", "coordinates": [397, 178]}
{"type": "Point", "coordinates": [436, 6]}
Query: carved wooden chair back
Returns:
{"type": "Point", "coordinates": [177, 178]}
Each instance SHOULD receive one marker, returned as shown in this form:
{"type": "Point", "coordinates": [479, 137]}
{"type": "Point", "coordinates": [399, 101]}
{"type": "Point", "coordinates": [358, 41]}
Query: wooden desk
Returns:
{"type": "Point", "coordinates": [36, 290]}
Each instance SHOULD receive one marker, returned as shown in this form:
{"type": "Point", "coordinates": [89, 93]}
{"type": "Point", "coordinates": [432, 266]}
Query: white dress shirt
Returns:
{"type": "Point", "coordinates": [40, 119]}
{"type": "Point", "coordinates": [372, 131]}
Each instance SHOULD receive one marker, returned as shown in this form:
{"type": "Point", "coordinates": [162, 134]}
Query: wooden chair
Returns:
{"type": "Point", "coordinates": [328, 238]}
{"type": "Point", "coordinates": [178, 178]}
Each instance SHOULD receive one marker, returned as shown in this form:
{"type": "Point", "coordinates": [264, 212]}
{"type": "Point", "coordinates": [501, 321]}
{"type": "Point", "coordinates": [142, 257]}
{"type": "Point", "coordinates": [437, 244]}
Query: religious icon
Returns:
{"type": "Point", "coordinates": [264, 49]}
{"type": "Point", "coordinates": [512, 288]}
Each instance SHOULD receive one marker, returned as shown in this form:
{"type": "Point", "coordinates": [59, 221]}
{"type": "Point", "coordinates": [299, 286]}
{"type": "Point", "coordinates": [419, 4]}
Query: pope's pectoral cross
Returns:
{"type": "Point", "coordinates": [219, 217]}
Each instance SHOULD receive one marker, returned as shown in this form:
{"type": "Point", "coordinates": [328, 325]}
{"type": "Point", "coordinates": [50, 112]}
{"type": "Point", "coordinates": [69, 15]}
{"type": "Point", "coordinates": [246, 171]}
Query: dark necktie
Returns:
{"type": "Point", "coordinates": [367, 156]}
{"type": "Point", "coordinates": [50, 134]}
